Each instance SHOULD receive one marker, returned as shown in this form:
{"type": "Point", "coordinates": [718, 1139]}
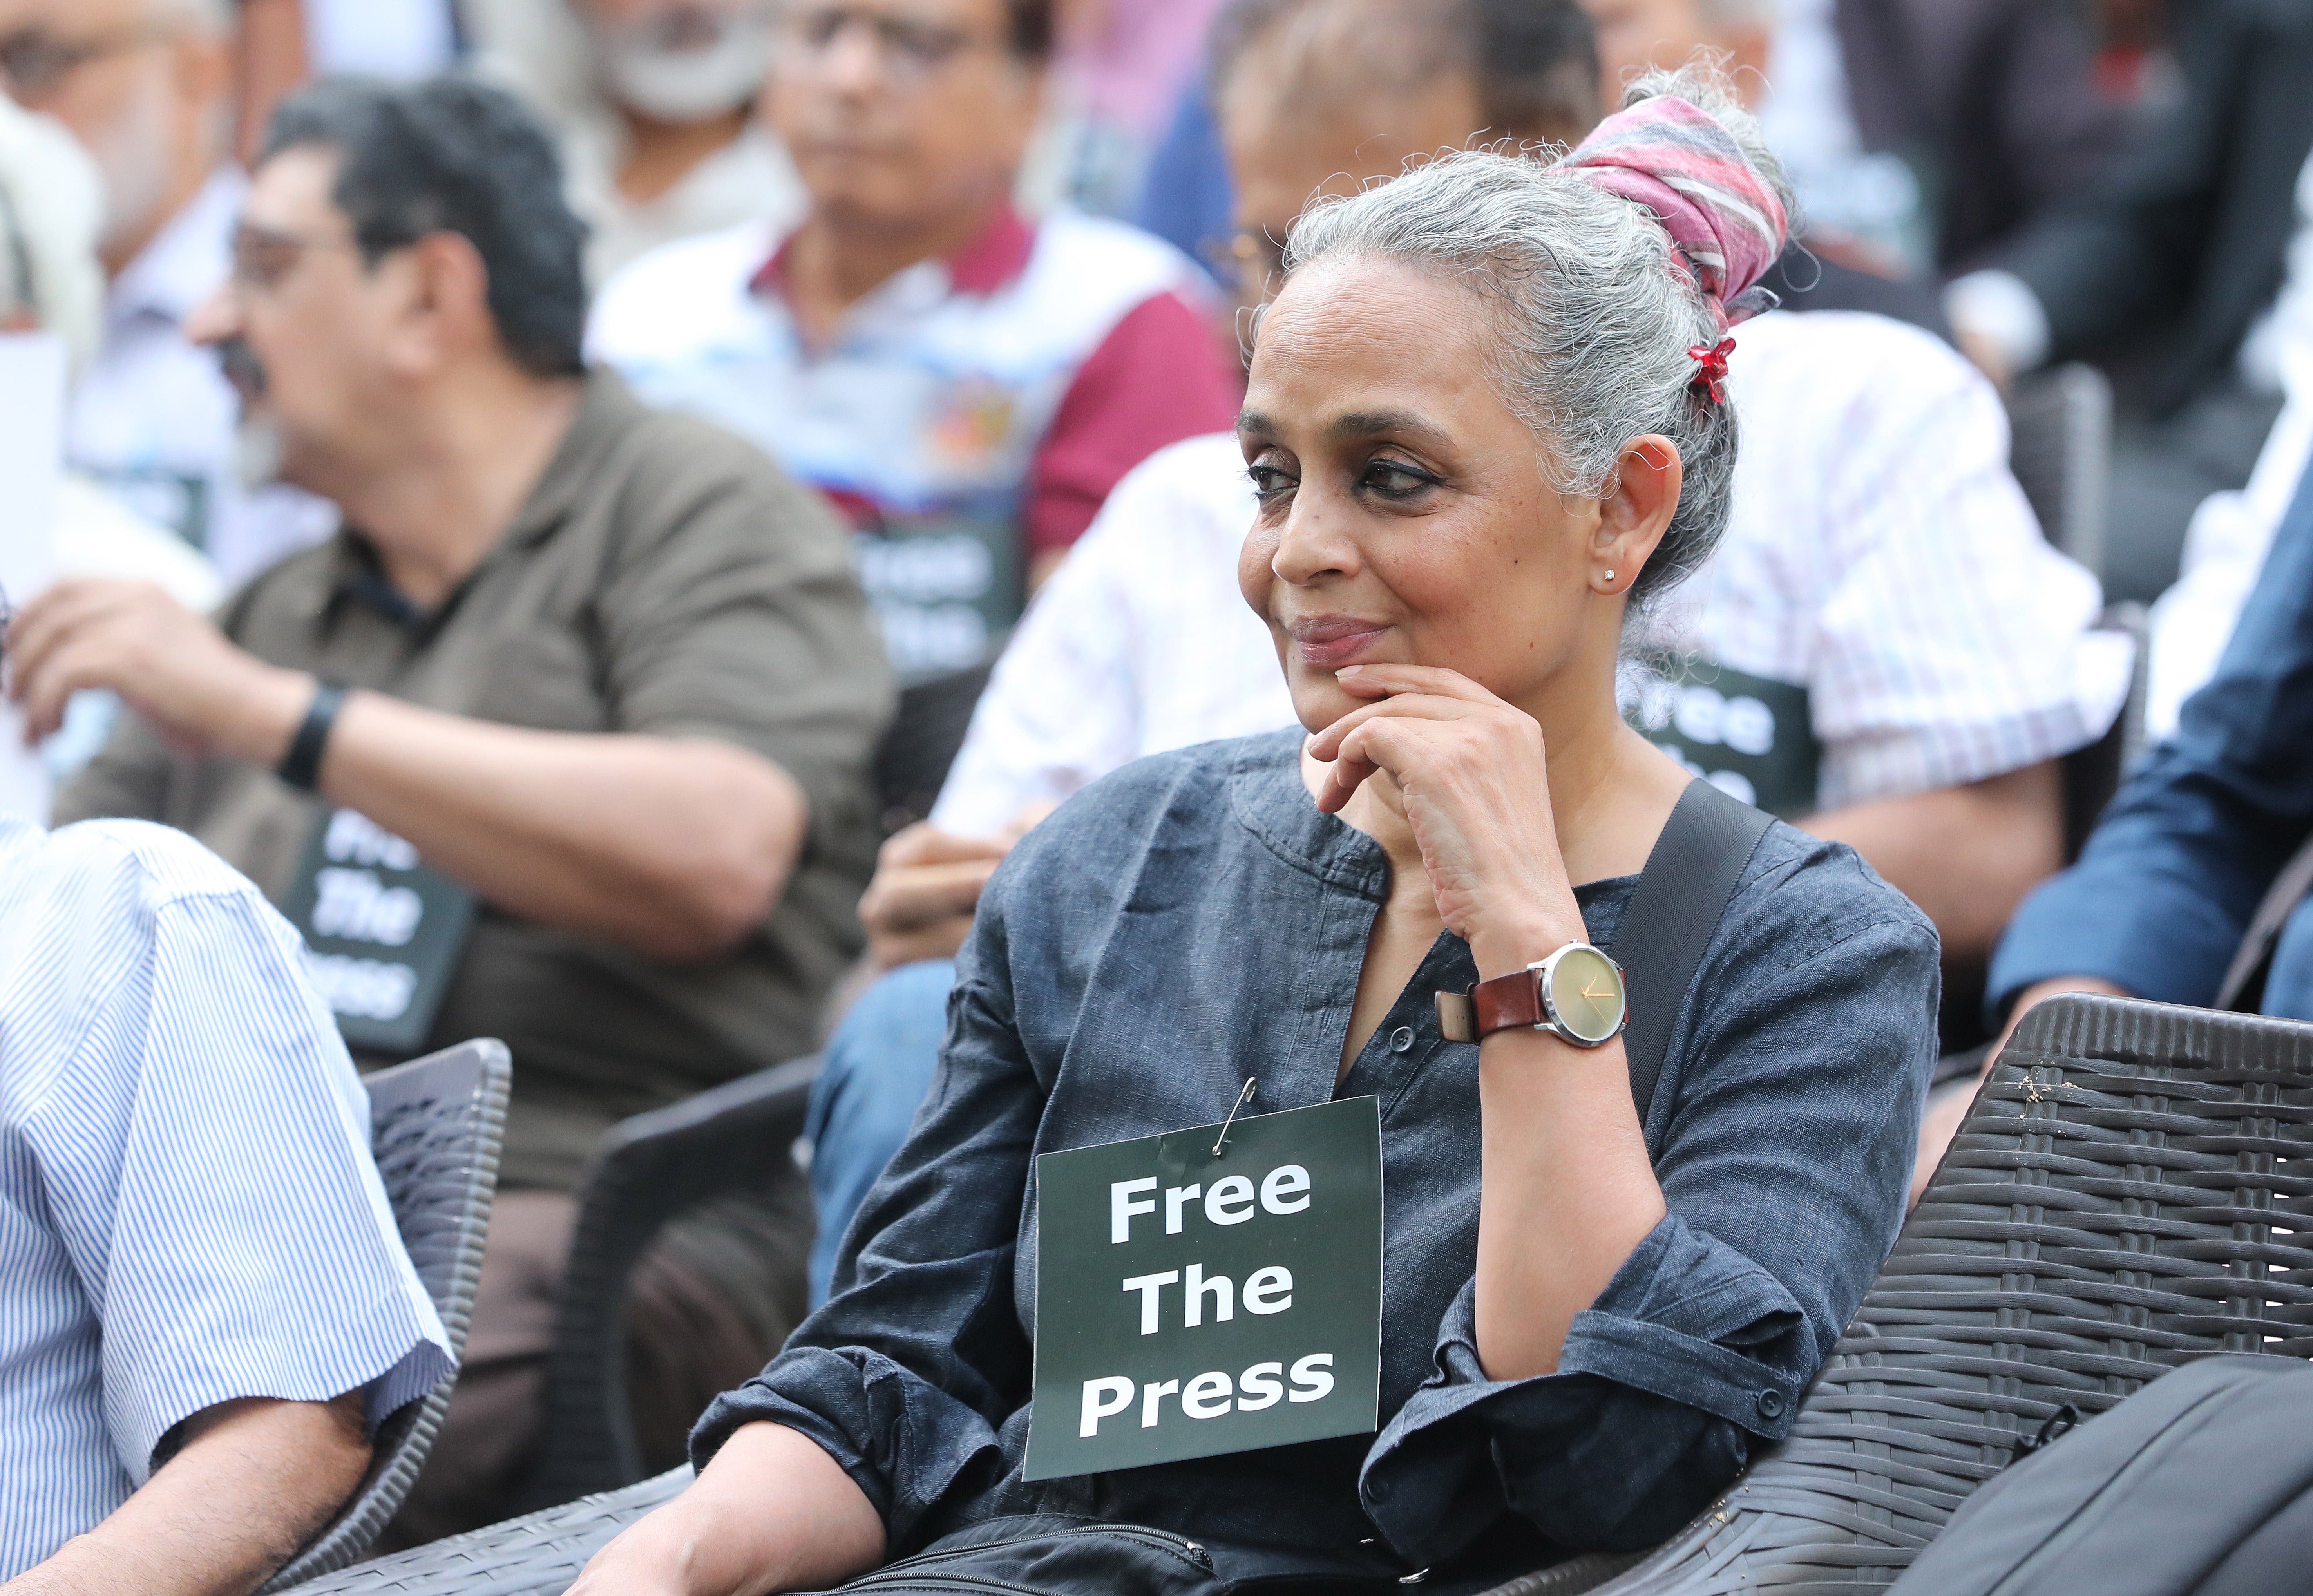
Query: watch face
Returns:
{"type": "Point", "coordinates": [1585, 990]}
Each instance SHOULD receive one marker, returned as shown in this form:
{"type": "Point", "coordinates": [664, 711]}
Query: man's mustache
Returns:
{"type": "Point", "coordinates": [243, 369]}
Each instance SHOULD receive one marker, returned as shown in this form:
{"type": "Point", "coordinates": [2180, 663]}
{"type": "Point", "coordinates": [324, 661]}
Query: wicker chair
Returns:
{"type": "Point", "coordinates": [2125, 1195]}
{"type": "Point", "coordinates": [436, 1124]}
{"type": "Point", "coordinates": [646, 1170]}
{"type": "Point", "coordinates": [2124, 1198]}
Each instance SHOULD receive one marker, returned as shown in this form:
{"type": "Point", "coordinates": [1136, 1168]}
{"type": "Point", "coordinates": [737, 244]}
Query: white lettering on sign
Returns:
{"type": "Point", "coordinates": [924, 570]}
{"type": "Point", "coordinates": [356, 839]}
{"type": "Point", "coordinates": [1198, 1288]}
{"type": "Point", "coordinates": [1282, 1183]}
{"type": "Point", "coordinates": [1748, 726]}
{"type": "Point", "coordinates": [1151, 1396]}
{"type": "Point", "coordinates": [1268, 1289]}
{"type": "Point", "coordinates": [1742, 723]}
{"type": "Point", "coordinates": [1122, 1206]}
{"type": "Point", "coordinates": [1230, 1200]}
{"type": "Point", "coordinates": [1177, 1197]}
{"type": "Point", "coordinates": [1311, 1382]}
{"type": "Point", "coordinates": [1104, 1398]}
{"type": "Point", "coordinates": [1208, 1395]}
{"type": "Point", "coordinates": [358, 907]}
{"type": "Point", "coordinates": [1148, 1285]}
{"type": "Point", "coordinates": [365, 989]}
{"type": "Point", "coordinates": [931, 637]}
{"type": "Point", "coordinates": [1259, 1387]}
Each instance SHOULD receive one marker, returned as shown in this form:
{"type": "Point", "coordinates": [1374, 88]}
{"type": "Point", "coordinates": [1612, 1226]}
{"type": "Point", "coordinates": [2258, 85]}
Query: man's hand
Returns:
{"type": "Point", "coordinates": [172, 666]}
{"type": "Point", "coordinates": [928, 883]}
{"type": "Point", "coordinates": [1948, 1106]}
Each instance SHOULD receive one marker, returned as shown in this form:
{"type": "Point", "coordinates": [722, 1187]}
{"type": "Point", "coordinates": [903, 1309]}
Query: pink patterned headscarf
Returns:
{"type": "Point", "coordinates": [1676, 161]}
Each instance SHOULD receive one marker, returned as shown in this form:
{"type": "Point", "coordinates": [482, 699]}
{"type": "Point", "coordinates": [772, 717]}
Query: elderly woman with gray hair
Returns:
{"type": "Point", "coordinates": [1485, 423]}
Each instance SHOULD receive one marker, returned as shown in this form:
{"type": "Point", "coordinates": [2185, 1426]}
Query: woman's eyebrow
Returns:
{"type": "Point", "coordinates": [1354, 425]}
{"type": "Point", "coordinates": [1403, 424]}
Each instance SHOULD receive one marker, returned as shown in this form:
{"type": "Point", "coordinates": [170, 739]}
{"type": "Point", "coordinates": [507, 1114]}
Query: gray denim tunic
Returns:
{"type": "Point", "coordinates": [1192, 919]}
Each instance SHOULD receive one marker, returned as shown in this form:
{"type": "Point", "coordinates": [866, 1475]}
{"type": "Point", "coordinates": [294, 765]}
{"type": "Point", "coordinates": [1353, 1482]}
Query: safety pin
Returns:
{"type": "Point", "coordinates": [1243, 1098]}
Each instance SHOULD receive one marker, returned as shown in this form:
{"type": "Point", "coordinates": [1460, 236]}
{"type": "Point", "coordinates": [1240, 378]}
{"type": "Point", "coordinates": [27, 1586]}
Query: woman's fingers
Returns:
{"type": "Point", "coordinates": [1379, 742]}
{"type": "Point", "coordinates": [1343, 777]}
{"type": "Point", "coordinates": [1408, 706]}
{"type": "Point", "coordinates": [1434, 679]}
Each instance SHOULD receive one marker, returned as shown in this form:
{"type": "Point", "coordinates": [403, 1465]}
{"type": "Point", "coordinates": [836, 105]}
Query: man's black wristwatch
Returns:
{"type": "Point", "coordinates": [301, 767]}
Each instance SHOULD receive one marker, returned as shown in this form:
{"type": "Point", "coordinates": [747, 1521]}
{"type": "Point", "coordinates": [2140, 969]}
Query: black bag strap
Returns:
{"type": "Point", "coordinates": [2244, 983]}
{"type": "Point", "coordinates": [1681, 898]}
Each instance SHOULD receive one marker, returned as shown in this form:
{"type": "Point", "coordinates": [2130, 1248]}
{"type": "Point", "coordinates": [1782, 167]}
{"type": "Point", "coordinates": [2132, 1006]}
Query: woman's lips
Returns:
{"type": "Point", "coordinates": [1328, 643]}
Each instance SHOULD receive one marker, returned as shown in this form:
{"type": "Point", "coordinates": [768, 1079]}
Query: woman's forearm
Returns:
{"type": "Point", "coordinates": [1568, 1192]}
{"type": "Point", "coordinates": [772, 1513]}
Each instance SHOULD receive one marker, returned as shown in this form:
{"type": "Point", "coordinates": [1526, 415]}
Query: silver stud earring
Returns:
{"type": "Point", "coordinates": [1610, 576]}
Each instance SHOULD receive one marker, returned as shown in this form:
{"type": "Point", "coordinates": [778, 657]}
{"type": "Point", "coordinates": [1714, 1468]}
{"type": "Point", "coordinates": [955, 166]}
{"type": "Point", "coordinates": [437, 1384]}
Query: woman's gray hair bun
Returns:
{"type": "Point", "coordinates": [1595, 316]}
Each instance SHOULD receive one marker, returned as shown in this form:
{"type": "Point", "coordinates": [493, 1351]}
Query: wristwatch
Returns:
{"type": "Point", "coordinates": [1576, 993]}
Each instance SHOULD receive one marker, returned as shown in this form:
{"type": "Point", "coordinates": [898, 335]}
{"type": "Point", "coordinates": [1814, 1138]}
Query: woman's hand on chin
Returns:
{"type": "Point", "coordinates": [1476, 791]}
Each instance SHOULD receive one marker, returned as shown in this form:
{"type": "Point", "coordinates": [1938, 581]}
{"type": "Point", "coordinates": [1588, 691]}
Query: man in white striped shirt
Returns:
{"type": "Point", "coordinates": [207, 1308]}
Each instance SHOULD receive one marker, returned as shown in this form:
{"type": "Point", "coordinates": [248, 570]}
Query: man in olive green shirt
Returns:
{"type": "Point", "coordinates": [593, 684]}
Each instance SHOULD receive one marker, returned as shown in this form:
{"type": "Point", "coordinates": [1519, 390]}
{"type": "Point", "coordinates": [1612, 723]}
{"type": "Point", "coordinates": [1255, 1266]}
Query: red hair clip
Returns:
{"type": "Point", "coordinates": [1712, 377]}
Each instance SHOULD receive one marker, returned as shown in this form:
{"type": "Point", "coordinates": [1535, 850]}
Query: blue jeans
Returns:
{"type": "Point", "coordinates": [878, 1067]}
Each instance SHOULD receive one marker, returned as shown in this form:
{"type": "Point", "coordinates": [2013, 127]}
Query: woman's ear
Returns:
{"type": "Point", "coordinates": [1636, 510]}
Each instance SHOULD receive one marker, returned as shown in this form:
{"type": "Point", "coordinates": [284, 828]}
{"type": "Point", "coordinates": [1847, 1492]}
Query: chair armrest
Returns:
{"type": "Point", "coordinates": [648, 1170]}
{"type": "Point", "coordinates": [537, 1555]}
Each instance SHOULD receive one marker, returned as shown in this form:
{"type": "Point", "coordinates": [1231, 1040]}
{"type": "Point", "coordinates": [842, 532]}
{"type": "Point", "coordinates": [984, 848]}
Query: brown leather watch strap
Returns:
{"type": "Point", "coordinates": [1514, 999]}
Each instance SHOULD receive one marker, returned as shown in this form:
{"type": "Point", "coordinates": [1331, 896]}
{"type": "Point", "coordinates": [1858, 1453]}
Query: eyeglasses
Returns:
{"type": "Point", "coordinates": [1256, 259]}
{"type": "Point", "coordinates": [34, 63]}
{"type": "Point", "coordinates": [263, 257]}
{"type": "Point", "coordinates": [912, 47]}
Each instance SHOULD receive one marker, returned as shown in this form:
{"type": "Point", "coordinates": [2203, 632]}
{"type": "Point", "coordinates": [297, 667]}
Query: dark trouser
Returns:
{"type": "Point", "coordinates": [2162, 469]}
{"type": "Point", "coordinates": [708, 1306]}
{"type": "Point", "coordinates": [1063, 1555]}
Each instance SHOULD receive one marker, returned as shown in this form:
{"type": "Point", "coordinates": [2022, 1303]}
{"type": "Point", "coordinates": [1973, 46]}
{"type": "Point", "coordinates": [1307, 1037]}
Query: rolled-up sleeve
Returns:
{"type": "Point", "coordinates": [1785, 1151]}
{"type": "Point", "coordinates": [905, 1378]}
{"type": "Point", "coordinates": [207, 1157]}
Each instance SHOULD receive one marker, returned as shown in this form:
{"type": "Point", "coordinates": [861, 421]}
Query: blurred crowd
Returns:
{"type": "Point", "coordinates": [617, 514]}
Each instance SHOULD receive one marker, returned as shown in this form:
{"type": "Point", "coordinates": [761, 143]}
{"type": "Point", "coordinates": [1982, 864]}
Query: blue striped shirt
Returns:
{"type": "Point", "coordinates": [188, 1213]}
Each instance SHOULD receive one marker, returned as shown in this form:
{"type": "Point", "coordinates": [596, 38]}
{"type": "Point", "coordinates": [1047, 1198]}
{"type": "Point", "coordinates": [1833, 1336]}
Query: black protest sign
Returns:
{"type": "Point", "coordinates": [383, 933]}
{"type": "Point", "coordinates": [946, 587]}
{"type": "Point", "coordinates": [1747, 735]}
{"type": "Point", "coordinates": [1191, 1302]}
